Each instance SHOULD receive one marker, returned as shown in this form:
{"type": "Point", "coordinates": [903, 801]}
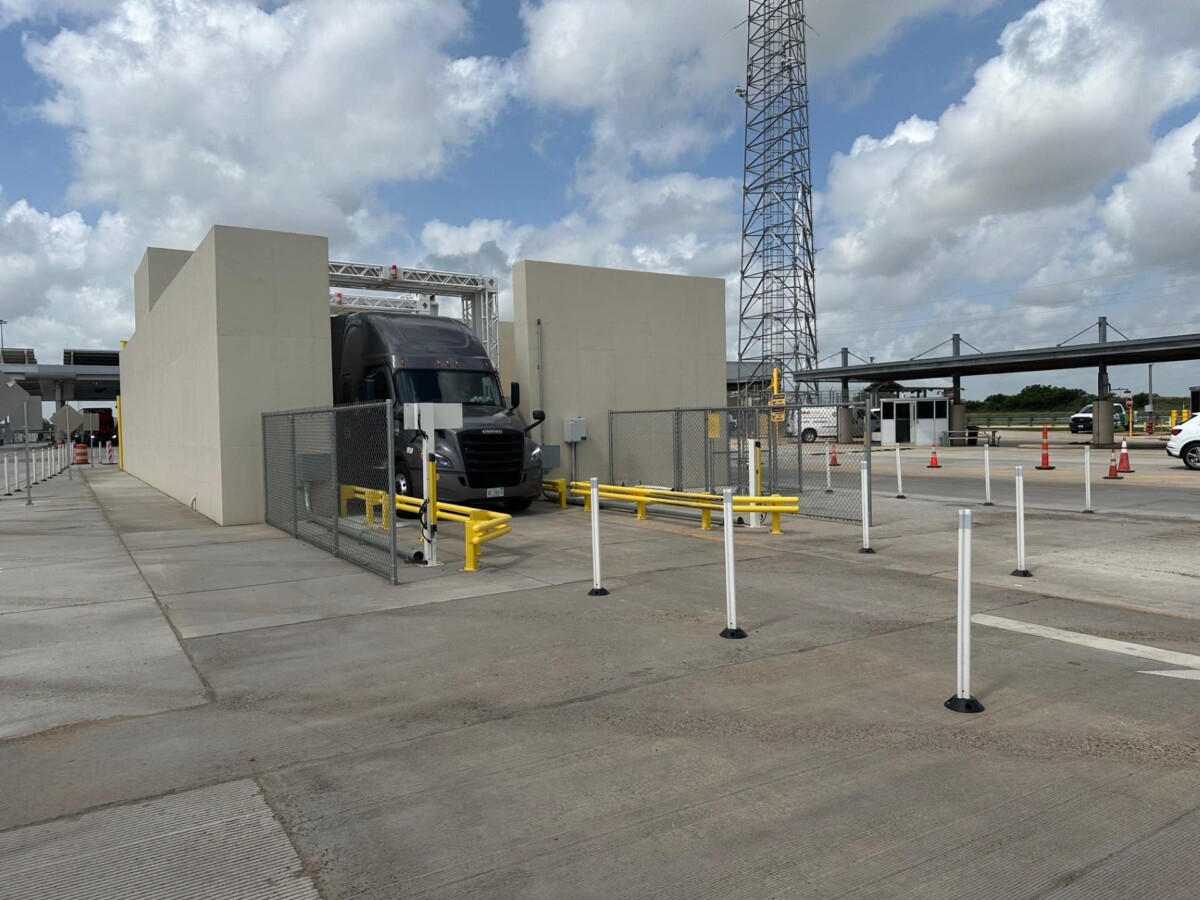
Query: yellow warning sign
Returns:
{"type": "Point", "coordinates": [777, 400]}
{"type": "Point", "coordinates": [778, 416]}
{"type": "Point", "coordinates": [714, 425]}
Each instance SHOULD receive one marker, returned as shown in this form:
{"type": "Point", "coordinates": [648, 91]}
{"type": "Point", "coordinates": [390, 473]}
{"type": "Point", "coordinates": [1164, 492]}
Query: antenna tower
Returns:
{"type": "Point", "coordinates": [777, 325]}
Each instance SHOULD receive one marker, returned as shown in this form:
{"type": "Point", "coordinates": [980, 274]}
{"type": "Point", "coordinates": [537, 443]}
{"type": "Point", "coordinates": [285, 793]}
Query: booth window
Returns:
{"type": "Point", "coordinates": [942, 412]}
{"type": "Point", "coordinates": [889, 410]}
{"type": "Point", "coordinates": [924, 409]}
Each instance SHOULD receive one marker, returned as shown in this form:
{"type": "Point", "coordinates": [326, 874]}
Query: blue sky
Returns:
{"type": "Point", "coordinates": [1010, 170]}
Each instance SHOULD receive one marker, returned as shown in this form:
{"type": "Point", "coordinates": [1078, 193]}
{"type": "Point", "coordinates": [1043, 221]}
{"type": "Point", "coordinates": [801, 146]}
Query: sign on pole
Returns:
{"type": "Point", "coordinates": [66, 419]}
{"type": "Point", "coordinates": [12, 396]}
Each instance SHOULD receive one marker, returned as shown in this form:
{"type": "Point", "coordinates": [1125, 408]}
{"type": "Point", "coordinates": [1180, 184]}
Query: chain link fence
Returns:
{"type": "Point", "coordinates": [710, 449]}
{"type": "Point", "coordinates": [327, 474]}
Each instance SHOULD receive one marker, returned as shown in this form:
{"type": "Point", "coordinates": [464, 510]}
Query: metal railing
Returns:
{"type": "Point", "coordinates": [642, 498]}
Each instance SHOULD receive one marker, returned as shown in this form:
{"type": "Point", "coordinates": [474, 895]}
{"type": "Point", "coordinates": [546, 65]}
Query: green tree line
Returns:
{"type": "Point", "coordinates": [1051, 399]}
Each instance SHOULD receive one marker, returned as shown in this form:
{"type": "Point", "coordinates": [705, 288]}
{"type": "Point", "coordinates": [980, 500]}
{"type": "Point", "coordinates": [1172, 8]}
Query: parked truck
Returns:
{"type": "Point", "coordinates": [810, 423]}
{"type": "Point", "coordinates": [491, 460]}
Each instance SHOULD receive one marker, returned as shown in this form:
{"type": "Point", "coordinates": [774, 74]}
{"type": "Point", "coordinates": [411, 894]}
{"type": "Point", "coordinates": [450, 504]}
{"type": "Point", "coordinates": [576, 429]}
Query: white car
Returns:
{"type": "Point", "coordinates": [1185, 443]}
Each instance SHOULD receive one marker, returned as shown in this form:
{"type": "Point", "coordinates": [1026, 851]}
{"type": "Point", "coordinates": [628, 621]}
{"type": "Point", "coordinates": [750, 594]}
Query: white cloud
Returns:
{"type": "Point", "coordinates": [279, 118]}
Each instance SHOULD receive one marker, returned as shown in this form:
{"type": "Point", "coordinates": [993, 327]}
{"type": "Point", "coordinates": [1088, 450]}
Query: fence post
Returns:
{"type": "Point", "coordinates": [612, 464]}
{"type": "Point", "coordinates": [962, 701]}
{"type": "Point", "coordinates": [295, 481]}
{"type": "Point", "coordinates": [390, 512]}
{"type": "Point", "coordinates": [677, 450]}
{"type": "Point", "coordinates": [899, 477]}
{"type": "Point", "coordinates": [1087, 478]}
{"type": "Point", "coordinates": [336, 480]}
{"type": "Point", "coordinates": [867, 458]}
{"type": "Point", "coordinates": [598, 589]}
{"type": "Point", "coordinates": [1020, 571]}
{"type": "Point", "coordinates": [865, 479]}
{"type": "Point", "coordinates": [731, 629]}
{"type": "Point", "coordinates": [828, 470]}
{"type": "Point", "coordinates": [987, 476]}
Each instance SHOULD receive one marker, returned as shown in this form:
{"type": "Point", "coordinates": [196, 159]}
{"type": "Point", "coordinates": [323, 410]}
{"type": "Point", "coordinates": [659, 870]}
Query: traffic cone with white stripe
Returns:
{"type": "Point", "coordinates": [1123, 463]}
{"type": "Point", "coordinates": [1045, 466]}
{"type": "Point", "coordinates": [1112, 469]}
{"type": "Point", "coordinates": [833, 460]}
{"type": "Point", "coordinates": [933, 462]}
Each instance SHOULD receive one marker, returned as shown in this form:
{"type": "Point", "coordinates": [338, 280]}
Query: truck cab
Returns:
{"type": "Point", "coordinates": [491, 460]}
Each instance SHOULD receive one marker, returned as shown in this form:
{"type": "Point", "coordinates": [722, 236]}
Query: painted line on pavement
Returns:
{"type": "Point", "coordinates": [1168, 657]}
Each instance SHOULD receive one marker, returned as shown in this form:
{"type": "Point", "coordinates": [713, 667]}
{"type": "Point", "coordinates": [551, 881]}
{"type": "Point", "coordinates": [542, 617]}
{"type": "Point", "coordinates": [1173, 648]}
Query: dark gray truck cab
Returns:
{"type": "Point", "coordinates": [491, 460]}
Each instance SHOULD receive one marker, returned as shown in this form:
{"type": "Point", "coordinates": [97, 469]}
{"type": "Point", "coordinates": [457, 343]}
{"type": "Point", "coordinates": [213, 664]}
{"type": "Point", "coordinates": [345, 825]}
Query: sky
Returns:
{"type": "Point", "coordinates": [1008, 170]}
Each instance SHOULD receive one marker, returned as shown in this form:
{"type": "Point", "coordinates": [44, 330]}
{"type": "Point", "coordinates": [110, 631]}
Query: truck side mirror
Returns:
{"type": "Point", "coordinates": [538, 418]}
{"type": "Point", "coordinates": [514, 395]}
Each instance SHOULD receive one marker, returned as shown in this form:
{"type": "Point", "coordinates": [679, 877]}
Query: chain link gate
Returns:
{"type": "Point", "coordinates": [326, 475]}
{"type": "Point", "coordinates": [707, 449]}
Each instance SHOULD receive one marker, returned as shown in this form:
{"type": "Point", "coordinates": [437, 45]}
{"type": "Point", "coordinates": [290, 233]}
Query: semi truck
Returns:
{"type": "Point", "coordinates": [491, 460]}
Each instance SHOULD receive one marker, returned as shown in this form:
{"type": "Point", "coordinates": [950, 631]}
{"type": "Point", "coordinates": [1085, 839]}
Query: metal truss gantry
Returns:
{"type": "Point", "coordinates": [777, 325]}
{"type": "Point", "coordinates": [480, 307]}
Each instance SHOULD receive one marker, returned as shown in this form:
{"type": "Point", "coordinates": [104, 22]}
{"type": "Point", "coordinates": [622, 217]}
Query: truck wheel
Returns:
{"type": "Point", "coordinates": [404, 486]}
{"type": "Point", "coordinates": [808, 435]}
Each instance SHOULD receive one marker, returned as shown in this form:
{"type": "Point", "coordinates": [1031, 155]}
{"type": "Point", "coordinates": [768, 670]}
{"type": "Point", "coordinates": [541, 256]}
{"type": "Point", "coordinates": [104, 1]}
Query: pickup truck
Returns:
{"type": "Point", "coordinates": [1082, 420]}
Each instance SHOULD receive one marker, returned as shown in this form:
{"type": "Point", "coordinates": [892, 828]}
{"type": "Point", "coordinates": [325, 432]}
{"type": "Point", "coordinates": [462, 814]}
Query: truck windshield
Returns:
{"type": "Point", "coordinates": [448, 386]}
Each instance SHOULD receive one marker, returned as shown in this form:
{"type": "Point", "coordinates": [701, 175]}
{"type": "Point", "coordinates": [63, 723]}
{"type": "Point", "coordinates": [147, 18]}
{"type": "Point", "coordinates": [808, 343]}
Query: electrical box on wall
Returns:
{"type": "Point", "coordinates": [574, 431]}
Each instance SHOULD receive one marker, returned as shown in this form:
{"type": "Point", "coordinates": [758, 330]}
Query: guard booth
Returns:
{"type": "Point", "coordinates": [913, 420]}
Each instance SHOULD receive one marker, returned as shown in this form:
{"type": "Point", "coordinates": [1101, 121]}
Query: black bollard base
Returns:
{"type": "Point", "coordinates": [1021, 573]}
{"type": "Point", "coordinates": [901, 497]}
{"type": "Point", "coordinates": [964, 704]}
{"type": "Point", "coordinates": [734, 634]}
{"type": "Point", "coordinates": [598, 592]}
{"type": "Point", "coordinates": [865, 550]}
{"type": "Point", "coordinates": [1045, 468]}
{"type": "Point", "coordinates": [1089, 512]}
{"type": "Point", "coordinates": [989, 503]}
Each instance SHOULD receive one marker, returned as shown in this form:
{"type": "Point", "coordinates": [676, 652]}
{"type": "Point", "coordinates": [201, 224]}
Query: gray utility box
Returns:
{"type": "Point", "coordinates": [574, 431]}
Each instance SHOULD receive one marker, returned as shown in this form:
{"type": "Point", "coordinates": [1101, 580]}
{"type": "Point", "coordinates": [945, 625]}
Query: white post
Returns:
{"type": "Point", "coordinates": [753, 480]}
{"type": "Point", "coordinates": [1087, 478]}
{"type": "Point", "coordinates": [987, 476]}
{"type": "Point", "coordinates": [7, 484]}
{"type": "Point", "coordinates": [1020, 571]}
{"type": "Point", "coordinates": [731, 629]}
{"type": "Point", "coordinates": [899, 477]}
{"type": "Point", "coordinates": [828, 470]}
{"type": "Point", "coordinates": [597, 588]}
{"type": "Point", "coordinates": [962, 701]}
{"type": "Point", "coordinates": [865, 481]}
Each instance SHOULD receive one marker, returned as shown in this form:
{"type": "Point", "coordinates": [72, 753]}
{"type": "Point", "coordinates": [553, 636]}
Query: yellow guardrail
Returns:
{"type": "Point", "coordinates": [479, 525]}
{"type": "Point", "coordinates": [644, 497]}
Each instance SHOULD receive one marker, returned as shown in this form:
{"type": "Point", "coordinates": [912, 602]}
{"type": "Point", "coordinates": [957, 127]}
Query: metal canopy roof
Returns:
{"type": "Point", "coordinates": [1078, 356]}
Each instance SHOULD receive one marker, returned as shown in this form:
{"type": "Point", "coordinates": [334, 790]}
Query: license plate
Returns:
{"type": "Point", "coordinates": [495, 492]}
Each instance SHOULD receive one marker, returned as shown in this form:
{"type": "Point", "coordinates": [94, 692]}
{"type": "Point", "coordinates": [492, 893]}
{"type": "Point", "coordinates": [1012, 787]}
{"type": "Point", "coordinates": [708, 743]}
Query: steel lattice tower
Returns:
{"type": "Point", "coordinates": [777, 325]}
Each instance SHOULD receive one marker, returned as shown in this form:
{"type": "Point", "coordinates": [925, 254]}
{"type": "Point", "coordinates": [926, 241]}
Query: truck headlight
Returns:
{"type": "Point", "coordinates": [535, 455]}
{"type": "Point", "coordinates": [443, 461]}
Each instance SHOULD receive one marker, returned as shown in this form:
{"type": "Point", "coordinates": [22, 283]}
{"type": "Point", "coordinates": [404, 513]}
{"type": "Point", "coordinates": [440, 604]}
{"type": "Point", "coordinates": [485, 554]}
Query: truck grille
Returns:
{"type": "Point", "coordinates": [492, 460]}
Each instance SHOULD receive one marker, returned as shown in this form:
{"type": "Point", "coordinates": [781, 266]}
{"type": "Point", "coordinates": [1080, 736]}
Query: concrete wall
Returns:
{"type": "Point", "coordinates": [615, 340]}
{"type": "Point", "coordinates": [237, 327]}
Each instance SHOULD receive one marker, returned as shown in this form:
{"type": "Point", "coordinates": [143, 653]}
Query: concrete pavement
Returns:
{"type": "Point", "coordinates": [201, 712]}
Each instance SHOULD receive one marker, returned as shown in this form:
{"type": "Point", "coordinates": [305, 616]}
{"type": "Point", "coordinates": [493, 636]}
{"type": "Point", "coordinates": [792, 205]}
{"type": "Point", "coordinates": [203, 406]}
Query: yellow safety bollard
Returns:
{"type": "Point", "coordinates": [1184, 415]}
{"type": "Point", "coordinates": [641, 509]}
{"type": "Point", "coordinates": [706, 519]}
{"type": "Point", "coordinates": [776, 520]}
{"type": "Point", "coordinates": [1174, 417]}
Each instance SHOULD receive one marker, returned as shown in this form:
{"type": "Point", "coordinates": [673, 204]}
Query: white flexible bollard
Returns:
{"type": "Point", "coordinates": [1087, 479]}
{"type": "Point", "coordinates": [828, 470]}
{"type": "Point", "coordinates": [899, 477]}
{"type": "Point", "coordinates": [598, 589]}
{"type": "Point", "coordinates": [962, 701]}
{"type": "Point", "coordinates": [7, 483]}
{"type": "Point", "coordinates": [865, 481]}
{"type": "Point", "coordinates": [731, 629]}
{"type": "Point", "coordinates": [1020, 571]}
{"type": "Point", "coordinates": [987, 477]}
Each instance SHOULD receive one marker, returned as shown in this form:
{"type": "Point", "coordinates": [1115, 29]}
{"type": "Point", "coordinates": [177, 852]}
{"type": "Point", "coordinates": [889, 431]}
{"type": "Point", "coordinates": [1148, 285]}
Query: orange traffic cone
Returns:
{"type": "Point", "coordinates": [933, 463]}
{"type": "Point", "coordinates": [1045, 466]}
{"type": "Point", "coordinates": [1112, 469]}
{"type": "Point", "coordinates": [833, 460]}
{"type": "Point", "coordinates": [1123, 464]}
